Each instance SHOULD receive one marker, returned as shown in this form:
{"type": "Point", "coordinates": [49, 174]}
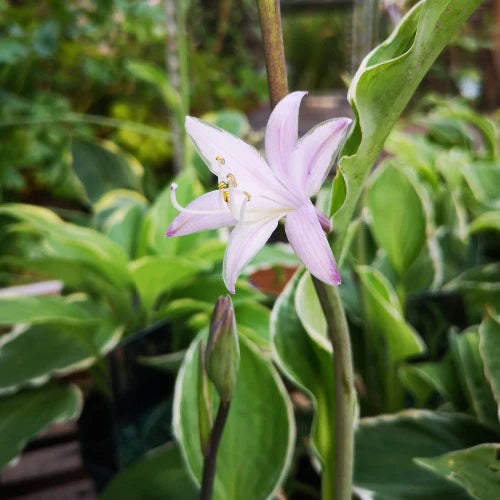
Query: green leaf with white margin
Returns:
{"type": "Point", "coordinates": [253, 320]}
{"type": "Point", "coordinates": [43, 309]}
{"type": "Point", "coordinates": [489, 346]}
{"type": "Point", "coordinates": [483, 179]}
{"type": "Point", "coordinates": [69, 241]}
{"type": "Point", "coordinates": [470, 368]}
{"type": "Point", "coordinates": [392, 340]}
{"type": "Point", "coordinates": [309, 365]}
{"type": "Point", "coordinates": [160, 475]}
{"type": "Point", "coordinates": [489, 221]}
{"type": "Point", "coordinates": [24, 415]}
{"type": "Point", "coordinates": [33, 354]}
{"type": "Point", "coordinates": [387, 446]}
{"type": "Point", "coordinates": [119, 214]}
{"type": "Point", "coordinates": [101, 167]}
{"type": "Point", "coordinates": [259, 434]}
{"type": "Point", "coordinates": [77, 276]}
{"type": "Point", "coordinates": [162, 213]}
{"type": "Point", "coordinates": [476, 469]}
{"type": "Point", "coordinates": [383, 86]}
{"type": "Point", "coordinates": [441, 376]}
{"type": "Point", "coordinates": [480, 286]}
{"type": "Point", "coordinates": [310, 312]}
{"type": "Point", "coordinates": [397, 216]}
{"type": "Point", "coordinates": [157, 274]}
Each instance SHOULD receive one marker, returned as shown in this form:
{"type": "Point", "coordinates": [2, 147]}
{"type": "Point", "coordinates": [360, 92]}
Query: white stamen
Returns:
{"type": "Point", "coordinates": [175, 203]}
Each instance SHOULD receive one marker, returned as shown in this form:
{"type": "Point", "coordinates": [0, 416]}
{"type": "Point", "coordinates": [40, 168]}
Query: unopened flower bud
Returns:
{"type": "Point", "coordinates": [222, 356]}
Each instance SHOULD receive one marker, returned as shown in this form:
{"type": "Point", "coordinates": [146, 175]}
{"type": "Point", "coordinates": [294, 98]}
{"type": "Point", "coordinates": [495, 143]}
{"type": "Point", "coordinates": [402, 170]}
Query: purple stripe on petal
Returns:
{"type": "Point", "coordinates": [309, 242]}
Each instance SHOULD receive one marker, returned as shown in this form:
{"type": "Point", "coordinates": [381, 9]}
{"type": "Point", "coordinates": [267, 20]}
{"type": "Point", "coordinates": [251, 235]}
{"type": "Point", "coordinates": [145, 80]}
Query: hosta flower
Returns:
{"type": "Point", "coordinates": [254, 194]}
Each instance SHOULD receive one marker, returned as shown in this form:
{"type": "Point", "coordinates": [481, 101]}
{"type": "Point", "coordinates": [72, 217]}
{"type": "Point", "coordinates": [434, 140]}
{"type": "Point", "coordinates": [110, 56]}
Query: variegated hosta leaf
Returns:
{"type": "Point", "coordinates": [388, 445]}
{"type": "Point", "coordinates": [476, 469]}
{"type": "Point", "coordinates": [26, 414]}
{"type": "Point", "coordinates": [306, 359]}
{"type": "Point", "coordinates": [32, 355]}
{"type": "Point", "coordinates": [382, 87]}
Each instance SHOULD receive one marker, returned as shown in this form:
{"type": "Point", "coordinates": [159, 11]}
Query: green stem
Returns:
{"type": "Point", "coordinates": [272, 38]}
{"type": "Point", "coordinates": [345, 396]}
{"type": "Point", "coordinates": [337, 476]}
{"type": "Point", "coordinates": [210, 460]}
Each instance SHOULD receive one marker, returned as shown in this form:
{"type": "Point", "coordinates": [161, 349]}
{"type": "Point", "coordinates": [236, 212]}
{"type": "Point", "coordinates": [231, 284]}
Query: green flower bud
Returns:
{"type": "Point", "coordinates": [222, 356]}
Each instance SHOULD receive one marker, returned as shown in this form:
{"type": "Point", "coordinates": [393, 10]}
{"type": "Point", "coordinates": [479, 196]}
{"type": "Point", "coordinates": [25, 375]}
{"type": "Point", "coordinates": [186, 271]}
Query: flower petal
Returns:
{"type": "Point", "coordinates": [282, 133]}
{"type": "Point", "coordinates": [224, 153]}
{"type": "Point", "coordinates": [309, 242]}
{"type": "Point", "coordinates": [316, 151]}
{"type": "Point", "coordinates": [244, 242]}
{"type": "Point", "coordinates": [186, 223]}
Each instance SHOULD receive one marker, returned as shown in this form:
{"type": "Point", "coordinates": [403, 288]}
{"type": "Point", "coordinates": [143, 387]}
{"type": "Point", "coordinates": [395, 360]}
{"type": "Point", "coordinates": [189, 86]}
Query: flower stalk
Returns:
{"type": "Point", "coordinates": [329, 297]}
{"type": "Point", "coordinates": [219, 364]}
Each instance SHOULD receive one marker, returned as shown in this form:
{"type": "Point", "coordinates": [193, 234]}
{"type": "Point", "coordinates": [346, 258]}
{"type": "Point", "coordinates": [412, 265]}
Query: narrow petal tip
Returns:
{"type": "Point", "coordinates": [170, 231]}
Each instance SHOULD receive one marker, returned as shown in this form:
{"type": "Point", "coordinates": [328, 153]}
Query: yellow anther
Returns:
{"type": "Point", "coordinates": [220, 160]}
{"type": "Point", "coordinates": [249, 197]}
{"type": "Point", "coordinates": [222, 185]}
{"type": "Point", "coordinates": [225, 195]}
{"type": "Point", "coordinates": [231, 180]}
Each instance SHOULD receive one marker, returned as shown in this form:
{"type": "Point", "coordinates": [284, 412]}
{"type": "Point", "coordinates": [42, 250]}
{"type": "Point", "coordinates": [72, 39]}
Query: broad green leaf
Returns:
{"type": "Point", "coordinates": [160, 475]}
{"type": "Point", "coordinates": [480, 286]}
{"type": "Point", "coordinates": [476, 469]}
{"type": "Point", "coordinates": [489, 221]}
{"type": "Point", "coordinates": [309, 365]}
{"type": "Point", "coordinates": [208, 288]}
{"type": "Point", "coordinates": [114, 200]}
{"type": "Point", "coordinates": [310, 312]}
{"type": "Point", "coordinates": [119, 214]}
{"type": "Point", "coordinates": [390, 338]}
{"type": "Point", "coordinates": [43, 309]}
{"type": "Point", "coordinates": [259, 435]}
{"type": "Point", "coordinates": [253, 320]}
{"type": "Point", "coordinates": [383, 86]}
{"type": "Point", "coordinates": [470, 367]}
{"type": "Point", "coordinates": [419, 388]}
{"type": "Point", "coordinates": [102, 167]}
{"type": "Point", "coordinates": [170, 362]}
{"type": "Point", "coordinates": [156, 275]}
{"type": "Point", "coordinates": [442, 377]}
{"type": "Point", "coordinates": [397, 215]}
{"type": "Point", "coordinates": [24, 415]}
{"type": "Point", "coordinates": [483, 179]}
{"type": "Point", "coordinates": [387, 446]}
{"type": "Point", "coordinates": [489, 345]}
{"type": "Point", "coordinates": [69, 241]}
{"type": "Point", "coordinates": [74, 274]}
{"type": "Point", "coordinates": [34, 354]}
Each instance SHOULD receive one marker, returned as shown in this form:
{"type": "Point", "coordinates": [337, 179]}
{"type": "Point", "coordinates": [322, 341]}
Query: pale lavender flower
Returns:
{"type": "Point", "coordinates": [253, 195]}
